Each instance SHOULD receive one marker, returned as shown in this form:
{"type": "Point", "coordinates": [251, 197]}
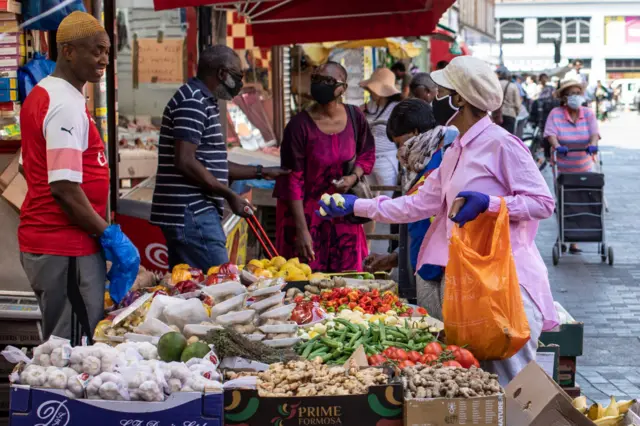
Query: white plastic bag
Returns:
{"type": "Point", "coordinates": [15, 355]}
{"type": "Point", "coordinates": [158, 305]}
{"type": "Point", "coordinates": [187, 312]}
{"type": "Point", "coordinates": [153, 327]}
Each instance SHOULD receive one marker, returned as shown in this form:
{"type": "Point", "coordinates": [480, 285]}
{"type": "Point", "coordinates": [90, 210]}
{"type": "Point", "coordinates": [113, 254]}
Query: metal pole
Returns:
{"type": "Point", "coordinates": [112, 111]}
{"type": "Point", "coordinates": [99, 101]}
{"type": "Point", "coordinates": [277, 76]}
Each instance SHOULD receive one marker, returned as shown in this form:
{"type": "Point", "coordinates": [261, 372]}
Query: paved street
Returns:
{"type": "Point", "coordinates": [605, 298]}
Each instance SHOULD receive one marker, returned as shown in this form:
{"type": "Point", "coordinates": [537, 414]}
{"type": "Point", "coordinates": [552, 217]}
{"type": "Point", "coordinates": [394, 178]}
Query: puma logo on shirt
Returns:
{"type": "Point", "coordinates": [67, 130]}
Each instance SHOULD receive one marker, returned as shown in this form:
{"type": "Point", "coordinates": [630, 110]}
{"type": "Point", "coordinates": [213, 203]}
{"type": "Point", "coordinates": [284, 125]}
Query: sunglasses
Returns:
{"type": "Point", "coordinates": [325, 79]}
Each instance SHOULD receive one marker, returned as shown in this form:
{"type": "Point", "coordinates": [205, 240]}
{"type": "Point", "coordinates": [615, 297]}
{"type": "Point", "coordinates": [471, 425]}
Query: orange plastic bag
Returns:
{"type": "Point", "coordinates": [482, 302]}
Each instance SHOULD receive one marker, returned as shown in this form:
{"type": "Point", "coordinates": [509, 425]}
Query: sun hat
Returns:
{"type": "Point", "coordinates": [382, 82]}
{"type": "Point", "coordinates": [474, 80]}
{"type": "Point", "coordinates": [566, 84]}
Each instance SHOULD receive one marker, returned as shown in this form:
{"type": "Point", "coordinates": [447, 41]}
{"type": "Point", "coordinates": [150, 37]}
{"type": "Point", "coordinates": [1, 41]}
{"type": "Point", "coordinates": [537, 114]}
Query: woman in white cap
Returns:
{"type": "Point", "coordinates": [384, 97]}
{"type": "Point", "coordinates": [484, 164]}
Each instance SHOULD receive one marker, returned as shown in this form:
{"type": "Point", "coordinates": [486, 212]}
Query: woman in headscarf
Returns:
{"type": "Point", "coordinates": [316, 145]}
{"type": "Point", "coordinates": [384, 96]}
{"type": "Point", "coordinates": [483, 165]}
{"type": "Point", "coordinates": [421, 145]}
{"type": "Point", "coordinates": [574, 127]}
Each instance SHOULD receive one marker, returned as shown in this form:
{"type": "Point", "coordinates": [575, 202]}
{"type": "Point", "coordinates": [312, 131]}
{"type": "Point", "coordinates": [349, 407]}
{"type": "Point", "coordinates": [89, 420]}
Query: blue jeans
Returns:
{"type": "Point", "coordinates": [201, 243]}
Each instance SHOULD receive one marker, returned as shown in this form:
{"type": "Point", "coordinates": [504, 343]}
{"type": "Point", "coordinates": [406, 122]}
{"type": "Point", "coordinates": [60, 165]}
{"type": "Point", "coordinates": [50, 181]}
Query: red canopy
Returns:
{"type": "Point", "coordinates": [282, 22]}
{"type": "Point", "coordinates": [175, 4]}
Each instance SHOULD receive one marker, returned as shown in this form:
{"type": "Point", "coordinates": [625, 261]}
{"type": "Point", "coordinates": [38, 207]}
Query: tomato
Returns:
{"type": "Point", "coordinates": [406, 363]}
{"type": "Point", "coordinates": [429, 359]}
{"type": "Point", "coordinates": [401, 355]}
{"type": "Point", "coordinates": [390, 352]}
{"type": "Point", "coordinates": [375, 360]}
{"type": "Point", "coordinates": [452, 348]}
{"type": "Point", "coordinates": [434, 348]}
{"type": "Point", "coordinates": [414, 356]}
{"type": "Point", "coordinates": [451, 364]}
{"type": "Point", "coordinates": [465, 357]}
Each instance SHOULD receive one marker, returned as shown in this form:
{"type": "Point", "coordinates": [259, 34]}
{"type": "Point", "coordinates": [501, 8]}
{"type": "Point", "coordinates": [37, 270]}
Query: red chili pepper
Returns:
{"type": "Point", "coordinates": [352, 305]}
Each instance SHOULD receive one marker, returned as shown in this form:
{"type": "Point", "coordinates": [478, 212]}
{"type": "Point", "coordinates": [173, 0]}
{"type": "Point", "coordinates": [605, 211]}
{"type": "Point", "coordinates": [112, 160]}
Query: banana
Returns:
{"type": "Point", "coordinates": [609, 420]}
{"type": "Point", "coordinates": [580, 404]}
{"type": "Point", "coordinates": [339, 199]}
{"type": "Point", "coordinates": [612, 409]}
{"type": "Point", "coordinates": [623, 406]}
{"type": "Point", "coordinates": [326, 198]}
{"type": "Point", "coordinates": [595, 412]}
{"type": "Point", "coordinates": [322, 212]}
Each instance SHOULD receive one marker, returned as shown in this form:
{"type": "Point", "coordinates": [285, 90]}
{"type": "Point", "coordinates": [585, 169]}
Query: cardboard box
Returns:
{"type": "Point", "coordinates": [568, 336]}
{"type": "Point", "coordinates": [480, 411]}
{"type": "Point", "coordinates": [534, 399]}
{"type": "Point", "coordinates": [378, 407]}
{"type": "Point", "coordinates": [9, 172]}
{"type": "Point", "coordinates": [549, 359]}
{"type": "Point", "coordinates": [16, 192]}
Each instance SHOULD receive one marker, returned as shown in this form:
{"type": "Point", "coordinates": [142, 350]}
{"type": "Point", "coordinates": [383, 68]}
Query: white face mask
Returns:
{"type": "Point", "coordinates": [575, 101]}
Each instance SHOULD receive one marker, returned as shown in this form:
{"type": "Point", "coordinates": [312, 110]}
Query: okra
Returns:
{"type": "Point", "coordinates": [331, 343]}
{"type": "Point", "coordinates": [354, 339]}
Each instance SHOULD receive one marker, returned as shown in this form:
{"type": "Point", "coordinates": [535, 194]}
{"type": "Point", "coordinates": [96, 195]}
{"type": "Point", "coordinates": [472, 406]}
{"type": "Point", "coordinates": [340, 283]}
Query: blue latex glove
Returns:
{"type": "Point", "coordinates": [475, 203]}
{"type": "Point", "coordinates": [592, 149]}
{"type": "Point", "coordinates": [125, 259]}
{"type": "Point", "coordinates": [334, 211]}
{"type": "Point", "coordinates": [563, 150]}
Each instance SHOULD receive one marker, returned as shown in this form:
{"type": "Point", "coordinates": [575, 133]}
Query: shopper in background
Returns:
{"type": "Point", "coordinates": [193, 171]}
{"type": "Point", "coordinates": [574, 127]}
{"type": "Point", "coordinates": [384, 96]}
{"type": "Point", "coordinates": [532, 88]}
{"type": "Point", "coordinates": [317, 144]}
{"type": "Point", "coordinates": [423, 87]}
{"type": "Point", "coordinates": [484, 166]}
{"type": "Point", "coordinates": [403, 77]}
{"type": "Point", "coordinates": [441, 65]}
{"type": "Point", "coordinates": [576, 74]}
{"type": "Point", "coordinates": [63, 234]}
{"type": "Point", "coordinates": [421, 145]}
{"type": "Point", "coordinates": [545, 87]}
{"type": "Point", "coordinates": [511, 100]}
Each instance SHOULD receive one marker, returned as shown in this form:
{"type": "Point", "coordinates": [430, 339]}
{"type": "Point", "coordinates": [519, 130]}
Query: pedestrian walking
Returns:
{"type": "Point", "coordinates": [317, 145]}
{"type": "Point", "coordinates": [572, 131]}
{"type": "Point", "coordinates": [512, 101]}
{"type": "Point", "coordinates": [484, 165]}
{"type": "Point", "coordinates": [63, 234]}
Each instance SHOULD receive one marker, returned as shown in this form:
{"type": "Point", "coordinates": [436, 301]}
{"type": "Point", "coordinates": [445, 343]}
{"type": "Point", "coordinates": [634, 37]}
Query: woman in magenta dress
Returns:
{"type": "Point", "coordinates": [316, 145]}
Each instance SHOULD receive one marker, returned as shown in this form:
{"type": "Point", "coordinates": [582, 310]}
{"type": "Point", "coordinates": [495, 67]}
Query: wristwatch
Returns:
{"type": "Point", "coordinates": [259, 172]}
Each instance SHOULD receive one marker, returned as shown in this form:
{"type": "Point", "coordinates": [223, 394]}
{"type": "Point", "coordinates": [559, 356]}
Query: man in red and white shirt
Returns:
{"type": "Point", "coordinates": [62, 222]}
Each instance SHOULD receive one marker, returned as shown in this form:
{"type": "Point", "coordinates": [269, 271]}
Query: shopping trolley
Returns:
{"type": "Point", "coordinates": [580, 210]}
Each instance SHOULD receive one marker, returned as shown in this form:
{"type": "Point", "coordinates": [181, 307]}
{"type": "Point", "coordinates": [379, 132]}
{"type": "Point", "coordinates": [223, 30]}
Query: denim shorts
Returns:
{"type": "Point", "coordinates": [201, 243]}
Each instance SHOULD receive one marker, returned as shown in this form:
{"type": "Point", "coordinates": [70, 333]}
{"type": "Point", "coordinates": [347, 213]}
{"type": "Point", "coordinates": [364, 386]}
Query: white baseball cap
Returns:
{"type": "Point", "coordinates": [474, 80]}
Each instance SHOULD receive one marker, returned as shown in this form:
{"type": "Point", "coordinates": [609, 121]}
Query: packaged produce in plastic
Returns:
{"type": "Point", "coordinates": [279, 312]}
{"type": "Point", "coordinates": [224, 291]}
{"type": "Point", "coordinates": [187, 312]}
{"type": "Point", "coordinates": [233, 304]}
{"type": "Point", "coordinates": [159, 303]}
{"type": "Point", "coordinates": [288, 327]}
{"type": "Point", "coordinates": [265, 292]}
{"type": "Point", "coordinates": [237, 317]}
{"type": "Point", "coordinates": [282, 343]}
{"type": "Point", "coordinates": [267, 303]}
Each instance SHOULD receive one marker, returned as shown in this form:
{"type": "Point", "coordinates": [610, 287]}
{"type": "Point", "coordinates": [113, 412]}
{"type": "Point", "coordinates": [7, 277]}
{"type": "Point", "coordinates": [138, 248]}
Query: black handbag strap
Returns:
{"type": "Point", "coordinates": [348, 169]}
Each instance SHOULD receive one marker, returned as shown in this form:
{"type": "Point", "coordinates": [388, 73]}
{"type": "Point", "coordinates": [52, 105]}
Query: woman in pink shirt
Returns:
{"type": "Point", "coordinates": [484, 164]}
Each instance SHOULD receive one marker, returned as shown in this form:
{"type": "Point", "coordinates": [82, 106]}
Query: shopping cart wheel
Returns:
{"type": "Point", "coordinates": [555, 254]}
{"type": "Point", "coordinates": [610, 255]}
{"type": "Point", "coordinates": [603, 252]}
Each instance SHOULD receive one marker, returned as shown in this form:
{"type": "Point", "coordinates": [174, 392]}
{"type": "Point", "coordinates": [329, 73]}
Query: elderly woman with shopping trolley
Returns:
{"type": "Point", "coordinates": [572, 131]}
{"type": "Point", "coordinates": [484, 167]}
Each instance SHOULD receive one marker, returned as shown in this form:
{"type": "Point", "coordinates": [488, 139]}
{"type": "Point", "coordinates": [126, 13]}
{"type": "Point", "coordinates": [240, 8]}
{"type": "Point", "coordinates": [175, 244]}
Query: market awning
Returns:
{"type": "Point", "coordinates": [282, 22]}
{"type": "Point", "coordinates": [318, 53]}
{"type": "Point", "coordinates": [310, 21]}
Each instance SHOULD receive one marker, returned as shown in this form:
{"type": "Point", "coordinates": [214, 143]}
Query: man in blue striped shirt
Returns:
{"type": "Point", "coordinates": [192, 181]}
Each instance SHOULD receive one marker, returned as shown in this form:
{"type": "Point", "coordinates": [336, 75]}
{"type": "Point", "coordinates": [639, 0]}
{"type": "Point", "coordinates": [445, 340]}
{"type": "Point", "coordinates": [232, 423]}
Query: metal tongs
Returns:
{"type": "Point", "coordinates": [260, 234]}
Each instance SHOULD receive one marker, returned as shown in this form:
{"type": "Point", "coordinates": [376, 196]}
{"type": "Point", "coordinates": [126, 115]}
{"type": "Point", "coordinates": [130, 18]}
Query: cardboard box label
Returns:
{"type": "Point", "coordinates": [480, 411]}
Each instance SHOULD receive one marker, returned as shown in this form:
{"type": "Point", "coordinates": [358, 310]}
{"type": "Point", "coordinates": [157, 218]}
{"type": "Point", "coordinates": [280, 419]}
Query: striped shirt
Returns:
{"type": "Point", "coordinates": [574, 136]}
{"type": "Point", "coordinates": [192, 115]}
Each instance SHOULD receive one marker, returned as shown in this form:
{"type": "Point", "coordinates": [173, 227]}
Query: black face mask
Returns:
{"type": "Point", "coordinates": [443, 110]}
{"type": "Point", "coordinates": [323, 93]}
{"type": "Point", "coordinates": [237, 85]}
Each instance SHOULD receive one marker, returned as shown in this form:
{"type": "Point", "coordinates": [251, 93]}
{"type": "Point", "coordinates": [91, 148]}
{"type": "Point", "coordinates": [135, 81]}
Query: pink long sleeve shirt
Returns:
{"type": "Point", "coordinates": [486, 159]}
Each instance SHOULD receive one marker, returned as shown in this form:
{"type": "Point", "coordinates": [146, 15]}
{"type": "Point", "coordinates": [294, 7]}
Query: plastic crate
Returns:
{"type": "Point", "coordinates": [36, 406]}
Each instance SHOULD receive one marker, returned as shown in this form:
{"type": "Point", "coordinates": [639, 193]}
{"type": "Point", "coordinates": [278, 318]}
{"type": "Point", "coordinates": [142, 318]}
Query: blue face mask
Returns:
{"type": "Point", "coordinates": [575, 101]}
